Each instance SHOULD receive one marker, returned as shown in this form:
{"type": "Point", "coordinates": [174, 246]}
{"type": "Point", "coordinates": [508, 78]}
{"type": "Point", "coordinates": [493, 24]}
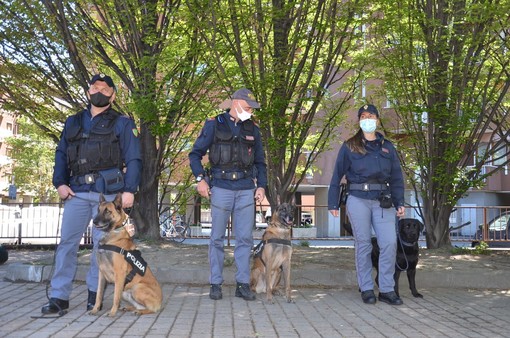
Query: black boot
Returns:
{"type": "Point", "coordinates": [55, 305]}
{"type": "Point", "coordinates": [91, 301]}
{"type": "Point", "coordinates": [243, 291]}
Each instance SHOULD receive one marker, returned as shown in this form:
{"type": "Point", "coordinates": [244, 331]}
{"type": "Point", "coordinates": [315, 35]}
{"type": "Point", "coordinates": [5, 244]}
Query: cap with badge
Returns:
{"type": "Point", "coordinates": [246, 95]}
{"type": "Point", "coordinates": [369, 108]}
{"type": "Point", "coordinates": [102, 77]}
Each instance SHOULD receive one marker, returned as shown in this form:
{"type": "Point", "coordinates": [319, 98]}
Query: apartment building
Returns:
{"type": "Point", "coordinates": [8, 128]}
{"type": "Point", "coordinates": [495, 192]}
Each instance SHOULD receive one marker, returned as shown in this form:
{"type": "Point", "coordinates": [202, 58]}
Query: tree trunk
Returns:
{"type": "Point", "coordinates": [145, 212]}
{"type": "Point", "coordinates": [437, 225]}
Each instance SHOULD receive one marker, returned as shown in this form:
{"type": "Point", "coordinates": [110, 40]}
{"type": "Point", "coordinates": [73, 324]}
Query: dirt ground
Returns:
{"type": "Point", "coordinates": [329, 258]}
{"type": "Point", "coordinates": [168, 253]}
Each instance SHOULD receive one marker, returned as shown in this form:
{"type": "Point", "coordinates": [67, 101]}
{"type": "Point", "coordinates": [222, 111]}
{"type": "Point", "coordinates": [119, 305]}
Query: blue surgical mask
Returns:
{"type": "Point", "coordinates": [368, 125]}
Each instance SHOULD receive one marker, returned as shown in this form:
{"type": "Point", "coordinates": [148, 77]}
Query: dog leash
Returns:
{"type": "Point", "coordinates": [404, 252]}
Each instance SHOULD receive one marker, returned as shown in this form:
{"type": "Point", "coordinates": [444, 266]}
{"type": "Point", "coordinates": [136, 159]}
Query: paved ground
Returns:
{"type": "Point", "coordinates": [464, 296]}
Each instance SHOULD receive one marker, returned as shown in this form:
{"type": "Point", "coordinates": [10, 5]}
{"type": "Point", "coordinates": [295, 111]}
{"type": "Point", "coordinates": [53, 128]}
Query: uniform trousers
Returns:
{"type": "Point", "coordinates": [367, 217]}
{"type": "Point", "coordinates": [78, 213]}
{"type": "Point", "coordinates": [239, 204]}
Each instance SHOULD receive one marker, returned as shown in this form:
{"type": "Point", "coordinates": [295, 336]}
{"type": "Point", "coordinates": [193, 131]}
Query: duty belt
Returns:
{"type": "Point", "coordinates": [233, 176]}
{"type": "Point", "coordinates": [369, 186]}
{"type": "Point", "coordinates": [85, 179]}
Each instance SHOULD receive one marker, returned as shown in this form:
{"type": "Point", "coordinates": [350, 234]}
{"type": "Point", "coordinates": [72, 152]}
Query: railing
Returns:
{"type": "Point", "coordinates": [41, 224]}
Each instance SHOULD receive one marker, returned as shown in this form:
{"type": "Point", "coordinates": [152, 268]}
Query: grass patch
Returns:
{"type": "Point", "coordinates": [480, 249]}
{"type": "Point", "coordinates": [304, 243]}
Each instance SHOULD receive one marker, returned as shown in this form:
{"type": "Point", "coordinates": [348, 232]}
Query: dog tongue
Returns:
{"type": "Point", "coordinates": [130, 229]}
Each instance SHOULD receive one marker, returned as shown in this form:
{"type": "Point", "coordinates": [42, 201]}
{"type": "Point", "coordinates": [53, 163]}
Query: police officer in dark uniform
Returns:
{"type": "Point", "coordinates": [237, 178]}
{"type": "Point", "coordinates": [98, 152]}
{"type": "Point", "coordinates": [376, 195]}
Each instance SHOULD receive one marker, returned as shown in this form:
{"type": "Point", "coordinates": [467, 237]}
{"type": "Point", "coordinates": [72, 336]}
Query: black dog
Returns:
{"type": "Point", "coordinates": [407, 252]}
{"type": "Point", "coordinates": [4, 255]}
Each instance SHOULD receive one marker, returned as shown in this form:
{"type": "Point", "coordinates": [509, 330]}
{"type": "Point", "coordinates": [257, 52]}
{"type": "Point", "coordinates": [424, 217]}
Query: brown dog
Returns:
{"type": "Point", "coordinates": [273, 255]}
{"type": "Point", "coordinates": [120, 263]}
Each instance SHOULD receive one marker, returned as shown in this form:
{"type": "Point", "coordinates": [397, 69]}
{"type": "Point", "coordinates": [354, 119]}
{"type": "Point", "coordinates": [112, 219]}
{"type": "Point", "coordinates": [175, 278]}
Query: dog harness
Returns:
{"type": "Point", "coordinates": [257, 251]}
{"type": "Point", "coordinates": [133, 257]}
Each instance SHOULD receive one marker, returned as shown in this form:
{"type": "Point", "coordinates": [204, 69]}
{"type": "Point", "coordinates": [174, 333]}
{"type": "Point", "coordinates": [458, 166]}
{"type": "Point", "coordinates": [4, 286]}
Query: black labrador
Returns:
{"type": "Point", "coordinates": [409, 230]}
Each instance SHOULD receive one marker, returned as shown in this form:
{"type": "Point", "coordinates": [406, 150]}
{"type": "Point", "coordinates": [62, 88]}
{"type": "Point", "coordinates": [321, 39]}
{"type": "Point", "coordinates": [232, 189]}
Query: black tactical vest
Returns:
{"type": "Point", "coordinates": [232, 152]}
{"type": "Point", "coordinates": [97, 150]}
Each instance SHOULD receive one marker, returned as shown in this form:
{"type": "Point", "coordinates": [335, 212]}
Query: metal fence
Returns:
{"type": "Point", "coordinates": [41, 224]}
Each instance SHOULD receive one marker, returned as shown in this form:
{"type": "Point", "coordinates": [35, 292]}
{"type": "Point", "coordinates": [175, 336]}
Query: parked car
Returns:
{"type": "Point", "coordinates": [498, 229]}
{"type": "Point", "coordinates": [260, 221]}
{"type": "Point", "coordinates": [268, 215]}
{"type": "Point", "coordinates": [306, 218]}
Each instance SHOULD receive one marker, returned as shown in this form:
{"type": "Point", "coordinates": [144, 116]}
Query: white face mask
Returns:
{"type": "Point", "coordinates": [368, 125]}
{"type": "Point", "coordinates": [243, 115]}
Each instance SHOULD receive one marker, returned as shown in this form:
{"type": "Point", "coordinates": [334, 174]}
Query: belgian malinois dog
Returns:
{"type": "Point", "coordinates": [272, 256]}
{"type": "Point", "coordinates": [120, 263]}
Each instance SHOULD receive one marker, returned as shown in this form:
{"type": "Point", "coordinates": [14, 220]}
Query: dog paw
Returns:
{"type": "Point", "coordinates": [93, 312]}
{"type": "Point", "coordinates": [112, 314]}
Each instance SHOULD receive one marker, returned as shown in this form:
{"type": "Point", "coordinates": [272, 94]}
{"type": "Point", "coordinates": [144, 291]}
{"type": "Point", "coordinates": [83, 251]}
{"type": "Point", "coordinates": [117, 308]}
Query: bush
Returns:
{"type": "Point", "coordinates": [480, 249]}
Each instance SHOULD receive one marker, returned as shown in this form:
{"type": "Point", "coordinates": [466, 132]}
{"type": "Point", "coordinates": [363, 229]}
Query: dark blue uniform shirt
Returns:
{"type": "Point", "coordinates": [379, 164]}
{"type": "Point", "coordinates": [204, 142]}
{"type": "Point", "coordinates": [126, 132]}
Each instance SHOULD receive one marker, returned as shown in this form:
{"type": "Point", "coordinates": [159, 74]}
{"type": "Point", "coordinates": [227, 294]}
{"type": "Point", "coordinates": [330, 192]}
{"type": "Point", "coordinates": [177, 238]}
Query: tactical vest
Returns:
{"type": "Point", "coordinates": [97, 150]}
{"type": "Point", "coordinates": [232, 152]}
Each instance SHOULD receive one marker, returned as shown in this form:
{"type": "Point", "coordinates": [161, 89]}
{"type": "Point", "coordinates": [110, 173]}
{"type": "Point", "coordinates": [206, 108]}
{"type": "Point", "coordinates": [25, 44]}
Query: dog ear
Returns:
{"type": "Point", "coordinates": [101, 198]}
{"type": "Point", "coordinates": [118, 201]}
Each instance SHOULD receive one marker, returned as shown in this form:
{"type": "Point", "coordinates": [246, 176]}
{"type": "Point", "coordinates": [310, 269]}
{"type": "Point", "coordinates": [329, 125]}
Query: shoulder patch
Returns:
{"type": "Point", "coordinates": [135, 132]}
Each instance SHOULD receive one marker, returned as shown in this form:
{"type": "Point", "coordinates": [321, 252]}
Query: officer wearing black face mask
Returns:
{"type": "Point", "coordinates": [98, 152]}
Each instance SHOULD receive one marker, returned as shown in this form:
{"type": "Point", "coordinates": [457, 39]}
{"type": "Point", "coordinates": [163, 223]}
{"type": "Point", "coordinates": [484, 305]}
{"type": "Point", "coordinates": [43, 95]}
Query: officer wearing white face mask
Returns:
{"type": "Point", "coordinates": [236, 180]}
{"type": "Point", "coordinates": [375, 184]}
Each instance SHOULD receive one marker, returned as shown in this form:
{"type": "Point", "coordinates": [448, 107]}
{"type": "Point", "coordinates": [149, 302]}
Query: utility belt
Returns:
{"type": "Point", "coordinates": [106, 181]}
{"type": "Point", "coordinates": [85, 179]}
{"type": "Point", "coordinates": [232, 176]}
{"type": "Point", "coordinates": [384, 194]}
{"type": "Point", "coordinates": [369, 186]}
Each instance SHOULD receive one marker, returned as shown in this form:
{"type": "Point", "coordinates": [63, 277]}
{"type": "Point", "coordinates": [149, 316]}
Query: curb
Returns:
{"type": "Point", "coordinates": [477, 279]}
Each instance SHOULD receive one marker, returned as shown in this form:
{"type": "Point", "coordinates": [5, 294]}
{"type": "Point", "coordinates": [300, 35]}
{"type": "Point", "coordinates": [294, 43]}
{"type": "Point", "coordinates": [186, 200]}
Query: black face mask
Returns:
{"type": "Point", "coordinates": [99, 99]}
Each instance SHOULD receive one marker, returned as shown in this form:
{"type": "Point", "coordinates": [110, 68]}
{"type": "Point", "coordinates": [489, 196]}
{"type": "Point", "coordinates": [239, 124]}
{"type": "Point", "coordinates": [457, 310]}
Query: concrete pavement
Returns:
{"type": "Point", "coordinates": [327, 302]}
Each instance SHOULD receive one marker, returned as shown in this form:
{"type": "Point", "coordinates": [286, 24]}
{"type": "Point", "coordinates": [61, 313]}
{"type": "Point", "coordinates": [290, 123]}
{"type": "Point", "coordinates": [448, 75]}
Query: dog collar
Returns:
{"type": "Point", "coordinates": [404, 242]}
{"type": "Point", "coordinates": [130, 227]}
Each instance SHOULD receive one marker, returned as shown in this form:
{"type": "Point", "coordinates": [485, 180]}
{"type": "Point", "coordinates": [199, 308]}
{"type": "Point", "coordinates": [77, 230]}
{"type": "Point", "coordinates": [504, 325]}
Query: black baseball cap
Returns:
{"type": "Point", "coordinates": [103, 77]}
{"type": "Point", "coordinates": [246, 95]}
{"type": "Point", "coordinates": [370, 108]}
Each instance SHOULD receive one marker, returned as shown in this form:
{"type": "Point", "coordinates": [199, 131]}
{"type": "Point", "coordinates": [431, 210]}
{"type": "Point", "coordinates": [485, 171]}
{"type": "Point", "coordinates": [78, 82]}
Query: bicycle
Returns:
{"type": "Point", "coordinates": [173, 228]}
